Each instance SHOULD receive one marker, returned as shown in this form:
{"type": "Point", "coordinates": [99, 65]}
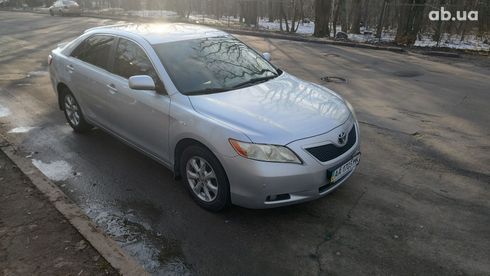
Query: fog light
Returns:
{"type": "Point", "coordinates": [280, 197]}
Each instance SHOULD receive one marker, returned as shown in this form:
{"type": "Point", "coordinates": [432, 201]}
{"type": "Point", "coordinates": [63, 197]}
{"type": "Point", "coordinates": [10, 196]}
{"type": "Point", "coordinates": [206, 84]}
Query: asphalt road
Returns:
{"type": "Point", "coordinates": [418, 204]}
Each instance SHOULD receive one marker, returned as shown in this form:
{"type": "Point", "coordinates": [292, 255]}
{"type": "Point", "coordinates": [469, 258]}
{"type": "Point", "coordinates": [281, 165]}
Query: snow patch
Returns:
{"type": "Point", "coordinates": [4, 111]}
{"type": "Point", "coordinates": [136, 237]}
{"type": "Point", "coordinates": [470, 42]}
{"type": "Point", "coordinates": [303, 28]}
{"type": "Point", "coordinates": [37, 73]}
{"type": "Point", "coordinates": [56, 170]}
{"type": "Point", "coordinates": [153, 13]}
{"type": "Point", "coordinates": [21, 129]}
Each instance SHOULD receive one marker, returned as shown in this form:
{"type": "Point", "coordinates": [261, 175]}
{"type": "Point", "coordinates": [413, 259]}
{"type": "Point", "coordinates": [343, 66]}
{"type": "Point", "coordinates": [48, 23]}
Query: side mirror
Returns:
{"type": "Point", "coordinates": [141, 82]}
{"type": "Point", "coordinates": [267, 56]}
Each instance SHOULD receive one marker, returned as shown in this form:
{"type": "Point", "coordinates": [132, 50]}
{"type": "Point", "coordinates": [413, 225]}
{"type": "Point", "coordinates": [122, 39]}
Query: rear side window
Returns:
{"type": "Point", "coordinates": [130, 60]}
{"type": "Point", "coordinates": [95, 50]}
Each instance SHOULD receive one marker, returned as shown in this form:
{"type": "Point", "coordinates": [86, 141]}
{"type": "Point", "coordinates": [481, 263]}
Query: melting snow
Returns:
{"type": "Point", "coordinates": [136, 237]}
{"type": "Point", "coordinates": [56, 170]}
{"type": "Point", "coordinates": [37, 73]}
{"type": "Point", "coordinates": [20, 129]}
{"type": "Point", "coordinates": [4, 111]}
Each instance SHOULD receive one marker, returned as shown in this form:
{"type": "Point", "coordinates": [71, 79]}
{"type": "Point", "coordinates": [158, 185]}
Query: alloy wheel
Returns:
{"type": "Point", "coordinates": [72, 110]}
{"type": "Point", "coordinates": [202, 179]}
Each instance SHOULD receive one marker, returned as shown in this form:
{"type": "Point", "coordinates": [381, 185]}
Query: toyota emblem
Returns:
{"type": "Point", "coordinates": [342, 138]}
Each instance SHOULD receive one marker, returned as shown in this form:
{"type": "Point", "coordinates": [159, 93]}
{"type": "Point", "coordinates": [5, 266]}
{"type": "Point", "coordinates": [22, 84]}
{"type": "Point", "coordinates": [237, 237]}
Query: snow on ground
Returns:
{"type": "Point", "coordinates": [4, 111]}
{"type": "Point", "coordinates": [470, 42]}
{"type": "Point", "coordinates": [153, 13]}
{"type": "Point", "coordinates": [304, 28]}
{"type": "Point", "coordinates": [56, 170]}
{"type": "Point", "coordinates": [20, 130]}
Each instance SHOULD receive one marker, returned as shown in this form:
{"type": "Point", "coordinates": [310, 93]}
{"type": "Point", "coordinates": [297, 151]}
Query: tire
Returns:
{"type": "Point", "coordinates": [73, 113]}
{"type": "Point", "coordinates": [211, 193]}
{"type": "Point", "coordinates": [51, 12]}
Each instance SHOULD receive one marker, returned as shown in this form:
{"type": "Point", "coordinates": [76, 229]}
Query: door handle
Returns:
{"type": "Point", "coordinates": [70, 68]}
{"type": "Point", "coordinates": [112, 88]}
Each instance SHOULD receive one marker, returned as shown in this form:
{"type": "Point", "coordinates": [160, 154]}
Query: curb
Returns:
{"type": "Point", "coordinates": [441, 54]}
{"type": "Point", "coordinates": [107, 247]}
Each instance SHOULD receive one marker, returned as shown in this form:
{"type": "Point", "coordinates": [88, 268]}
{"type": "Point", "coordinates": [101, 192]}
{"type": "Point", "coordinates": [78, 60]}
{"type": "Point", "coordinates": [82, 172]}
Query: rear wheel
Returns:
{"type": "Point", "coordinates": [73, 114]}
{"type": "Point", "coordinates": [205, 178]}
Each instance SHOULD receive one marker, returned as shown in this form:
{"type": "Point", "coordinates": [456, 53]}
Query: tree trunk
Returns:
{"type": "Point", "coordinates": [437, 32]}
{"type": "Point", "coordinates": [343, 16]}
{"type": "Point", "coordinates": [323, 8]}
{"type": "Point", "coordinates": [365, 16]}
{"type": "Point", "coordinates": [338, 6]}
{"type": "Point", "coordinates": [379, 29]}
{"type": "Point", "coordinates": [293, 20]}
{"type": "Point", "coordinates": [409, 21]}
{"type": "Point", "coordinates": [284, 16]}
{"type": "Point", "coordinates": [270, 11]}
{"type": "Point", "coordinates": [356, 17]}
{"type": "Point", "coordinates": [249, 12]}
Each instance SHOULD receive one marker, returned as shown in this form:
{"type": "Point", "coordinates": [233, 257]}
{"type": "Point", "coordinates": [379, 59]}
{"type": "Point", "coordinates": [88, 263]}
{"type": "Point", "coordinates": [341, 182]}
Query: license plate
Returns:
{"type": "Point", "coordinates": [344, 169]}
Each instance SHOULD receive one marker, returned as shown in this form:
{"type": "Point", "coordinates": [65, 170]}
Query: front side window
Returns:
{"type": "Point", "coordinates": [211, 65]}
{"type": "Point", "coordinates": [95, 50]}
{"type": "Point", "coordinates": [130, 60]}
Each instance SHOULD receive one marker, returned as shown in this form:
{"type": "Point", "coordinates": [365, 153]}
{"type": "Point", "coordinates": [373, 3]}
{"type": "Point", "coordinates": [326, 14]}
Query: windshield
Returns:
{"type": "Point", "coordinates": [211, 65]}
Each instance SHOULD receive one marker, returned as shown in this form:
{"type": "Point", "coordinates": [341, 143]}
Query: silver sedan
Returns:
{"type": "Point", "coordinates": [65, 7]}
{"type": "Point", "coordinates": [234, 127]}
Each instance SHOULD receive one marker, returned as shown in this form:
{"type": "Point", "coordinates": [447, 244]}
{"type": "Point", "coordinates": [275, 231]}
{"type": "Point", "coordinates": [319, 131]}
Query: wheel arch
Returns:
{"type": "Point", "coordinates": [61, 90]}
{"type": "Point", "coordinates": [179, 149]}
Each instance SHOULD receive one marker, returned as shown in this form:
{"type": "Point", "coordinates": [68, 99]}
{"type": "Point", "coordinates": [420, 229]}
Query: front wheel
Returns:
{"type": "Point", "coordinates": [205, 178]}
{"type": "Point", "coordinates": [51, 12]}
{"type": "Point", "coordinates": [74, 115]}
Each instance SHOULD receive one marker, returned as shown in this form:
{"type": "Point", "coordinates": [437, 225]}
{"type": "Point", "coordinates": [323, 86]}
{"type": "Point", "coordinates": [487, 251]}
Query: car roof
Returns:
{"type": "Point", "coordinates": [156, 33]}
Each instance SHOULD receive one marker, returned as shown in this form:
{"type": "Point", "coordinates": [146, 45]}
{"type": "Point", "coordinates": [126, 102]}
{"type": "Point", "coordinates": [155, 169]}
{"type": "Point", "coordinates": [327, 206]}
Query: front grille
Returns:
{"type": "Point", "coordinates": [330, 151]}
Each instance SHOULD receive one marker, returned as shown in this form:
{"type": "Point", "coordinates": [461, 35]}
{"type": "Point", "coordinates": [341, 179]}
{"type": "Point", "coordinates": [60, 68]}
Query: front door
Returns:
{"type": "Point", "coordinates": [139, 116]}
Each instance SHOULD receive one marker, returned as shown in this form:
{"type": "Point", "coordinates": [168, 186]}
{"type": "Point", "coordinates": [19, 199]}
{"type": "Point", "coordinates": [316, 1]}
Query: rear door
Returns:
{"type": "Point", "coordinates": [90, 69]}
{"type": "Point", "coordinates": [139, 116]}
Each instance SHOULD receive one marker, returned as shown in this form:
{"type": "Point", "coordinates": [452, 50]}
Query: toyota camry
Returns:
{"type": "Point", "coordinates": [235, 128]}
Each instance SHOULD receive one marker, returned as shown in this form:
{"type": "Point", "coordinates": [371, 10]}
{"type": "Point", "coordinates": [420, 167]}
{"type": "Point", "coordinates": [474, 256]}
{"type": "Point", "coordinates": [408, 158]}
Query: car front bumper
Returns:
{"type": "Point", "coordinates": [258, 185]}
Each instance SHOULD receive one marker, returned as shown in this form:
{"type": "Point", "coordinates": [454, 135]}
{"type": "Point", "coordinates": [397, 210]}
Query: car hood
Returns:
{"type": "Point", "coordinates": [278, 111]}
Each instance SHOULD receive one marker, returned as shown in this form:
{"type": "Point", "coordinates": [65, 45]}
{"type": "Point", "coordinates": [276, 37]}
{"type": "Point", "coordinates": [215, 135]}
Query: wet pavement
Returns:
{"type": "Point", "coordinates": [418, 203]}
{"type": "Point", "coordinates": [27, 223]}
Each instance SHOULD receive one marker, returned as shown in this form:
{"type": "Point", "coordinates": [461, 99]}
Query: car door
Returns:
{"type": "Point", "coordinates": [139, 116]}
{"type": "Point", "coordinates": [89, 69]}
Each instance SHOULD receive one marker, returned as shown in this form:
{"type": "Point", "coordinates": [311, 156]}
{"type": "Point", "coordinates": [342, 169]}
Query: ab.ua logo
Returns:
{"type": "Point", "coordinates": [444, 15]}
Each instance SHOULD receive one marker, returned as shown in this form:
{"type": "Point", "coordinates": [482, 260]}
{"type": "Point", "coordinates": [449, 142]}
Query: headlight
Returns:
{"type": "Point", "coordinates": [351, 108]}
{"type": "Point", "coordinates": [262, 152]}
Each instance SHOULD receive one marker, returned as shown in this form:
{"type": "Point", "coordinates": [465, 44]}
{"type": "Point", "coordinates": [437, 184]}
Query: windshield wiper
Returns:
{"type": "Point", "coordinates": [213, 90]}
{"type": "Point", "coordinates": [254, 81]}
{"type": "Point", "coordinates": [207, 91]}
